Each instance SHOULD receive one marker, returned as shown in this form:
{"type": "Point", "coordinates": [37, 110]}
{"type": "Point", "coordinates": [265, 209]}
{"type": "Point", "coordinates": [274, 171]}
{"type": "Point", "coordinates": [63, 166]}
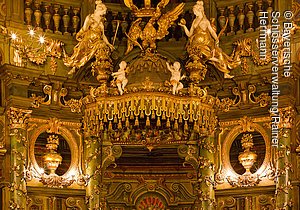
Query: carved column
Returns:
{"type": "Point", "coordinates": [206, 172]}
{"type": "Point", "coordinates": [283, 192]}
{"type": "Point", "coordinates": [200, 154]}
{"type": "Point", "coordinates": [92, 160]}
{"type": "Point", "coordinates": [19, 144]}
{"type": "Point", "coordinates": [99, 154]}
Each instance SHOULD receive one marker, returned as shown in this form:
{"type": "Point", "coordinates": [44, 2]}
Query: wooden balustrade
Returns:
{"type": "Point", "coordinates": [52, 17]}
{"type": "Point", "coordinates": [243, 17]}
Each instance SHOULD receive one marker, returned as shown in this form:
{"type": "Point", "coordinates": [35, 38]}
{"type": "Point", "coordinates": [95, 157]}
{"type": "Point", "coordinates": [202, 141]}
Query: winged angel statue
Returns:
{"type": "Point", "coordinates": [149, 34]}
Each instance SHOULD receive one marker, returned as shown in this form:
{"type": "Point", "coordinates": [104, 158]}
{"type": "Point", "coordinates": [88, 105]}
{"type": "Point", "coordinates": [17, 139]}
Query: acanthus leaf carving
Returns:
{"type": "Point", "coordinates": [18, 117]}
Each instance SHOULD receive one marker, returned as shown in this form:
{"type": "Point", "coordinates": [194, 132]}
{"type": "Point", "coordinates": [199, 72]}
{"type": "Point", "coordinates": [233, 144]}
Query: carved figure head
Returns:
{"type": "Point", "coordinates": [100, 8]}
{"type": "Point", "coordinates": [176, 65]}
{"type": "Point", "coordinates": [198, 9]}
{"type": "Point", "coordinates": [122, 65]}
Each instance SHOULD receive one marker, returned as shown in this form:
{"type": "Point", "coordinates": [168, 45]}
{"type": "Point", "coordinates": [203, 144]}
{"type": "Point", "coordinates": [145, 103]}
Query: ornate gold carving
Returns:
{"type": "Point", "coordinates": [52, 159]}
{"type": "Point", "coordinates": [246, 123]}
{"type": "Point", "coordinates": [226, 172]}
{"type": "Point", "coordinates": [55, 126]}
{"type": "Point", "coordinates": [244, 97]}
{"type": "Point", "coordinates": [287, 116]}
{"type": "Point", "coordinates": [155, 105]}
{"type": "Point", "coordinates": [295, 9]}
{"type": "Point", "coordinates": [203, 47]}
{"type": "Point", "coordinates": [92, 43]}
{"type": "Point", "coordinates": [73, 202]}
{"type": "Point", "coordinates": [74, 104]}
{"type": "Point", "coordinates": [55, 181]}
{"type": "Point", "coordinates": [36, 48]}
{"type": "Point", "coordinates": [148, 84]}
{"type": "Point", "coordinates": [37, 100]}
{"type": "Point", "coordinates": [111, 153]}
{"type": "Point", "coordinates": [18, 118]}
{"type": "Point", "coordinates": [150, 34]}
{"type": "Point", "coordinates": [227, 202]}
{"type": "Point", "coordinates": [2, 142]}
{"type": "Point", "coordinates": [56, 97]}
{"type": "Point", "coordinates": [147, 11]}
{"type": "Point", "coordinates": [247, 159]}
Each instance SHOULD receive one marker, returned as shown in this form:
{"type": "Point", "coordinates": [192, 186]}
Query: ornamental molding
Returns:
{"type": "Point", "coordinates": [18, 118]}
{"type": "Point", "coordinates": [65, 129]}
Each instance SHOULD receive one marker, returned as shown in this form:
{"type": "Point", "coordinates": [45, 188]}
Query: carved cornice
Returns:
{"type": "Point", "coordinates": [244, 121]}
{"type": "Point", "coordinates": [54, 124]}
{"type": "Point", "coordinates": [18, 118]}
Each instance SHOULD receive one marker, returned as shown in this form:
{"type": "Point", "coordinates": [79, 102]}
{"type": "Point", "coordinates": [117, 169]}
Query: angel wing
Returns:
{"type": "Point", "coordinates": [163, 3]}
{"type": "Point", "coordinates": [130, 5]}
{"type": "Point", "coordinates": [133, 35]}
{"type": "Point", "coordinates": [167, 20]}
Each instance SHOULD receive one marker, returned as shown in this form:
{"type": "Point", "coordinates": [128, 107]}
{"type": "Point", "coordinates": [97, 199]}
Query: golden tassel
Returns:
{"type": "Point", "coordinates": [142, 115]}
{"type": "Point", "coordinates": [196, 127]}
{"type": "Point", "coordinates": [163, 117]}
{"type": "Point", "coordinates": [136, 122]}
{"type": "Point", "coordinates": [101, 126]}
{"type": "Point", "coordinates": [120, 124]}
{"type": "Point", "coordinates": [158, 123]}
{"type": "Point", "coordinates": [109, 125]}
{"type": "Point", "coordinates": [127, 122]}
{"type": "Point", "coordinates": [186, 127]}
{"type": "Point", "coordinates": [131, 116]}
{"type": "Point", "coordinates": [148, 121]}
{"type": "Point", "coordinates": [153, 115]}
{"type": "Point", "coordinates": [176, 125]}
{"type": "Point", "coordinates": [180, 119]}
{"type": "Point", "coordinates": [168, 123]}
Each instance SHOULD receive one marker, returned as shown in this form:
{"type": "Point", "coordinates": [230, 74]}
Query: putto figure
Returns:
{"type": "Point", "coordinates": [92, 40]}
{"type": "Point", "coordinates": [203, 45]}
{"type": "Point", "coordinates": [175, 78]}
{"type": "Point", "coordinates": [120, 78]}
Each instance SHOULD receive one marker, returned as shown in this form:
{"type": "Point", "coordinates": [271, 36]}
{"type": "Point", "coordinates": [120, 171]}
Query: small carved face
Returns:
{"type": "Point", "coordinates": [197, 11]}
{"type": "Point", "coordinates": [100, 9]}
{"type": "Point", "coordinates": [123, 64]}
{"type": "Point", "coordinates": [176, 65]}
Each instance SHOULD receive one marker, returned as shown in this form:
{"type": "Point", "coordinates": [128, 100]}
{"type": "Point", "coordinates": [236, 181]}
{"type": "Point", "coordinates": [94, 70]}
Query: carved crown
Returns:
{"type": "Point", "coordinates": [147, 10]}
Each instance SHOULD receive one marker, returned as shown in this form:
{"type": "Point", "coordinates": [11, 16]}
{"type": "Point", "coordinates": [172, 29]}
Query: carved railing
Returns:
{"type": "Point", "coordinates": [52, 17]}
{"type": "Point", "coordinates": [242, 16]}
{"type": "Point", "coordinates": [66, 19]}
{"type": "Point", "coordinates": [150, 109]}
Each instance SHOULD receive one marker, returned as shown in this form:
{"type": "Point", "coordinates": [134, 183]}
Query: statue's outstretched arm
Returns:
{"type": "Point", "coordinates": [213, 33]}
{"type": "Point", "coordinates": [190, 32]}
{"type": "Point", "coordinates": [168, 67]}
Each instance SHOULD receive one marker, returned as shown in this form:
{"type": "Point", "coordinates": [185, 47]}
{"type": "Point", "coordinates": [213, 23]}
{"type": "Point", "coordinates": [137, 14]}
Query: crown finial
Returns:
{"type": "Point", "coordinates": [147, 10]}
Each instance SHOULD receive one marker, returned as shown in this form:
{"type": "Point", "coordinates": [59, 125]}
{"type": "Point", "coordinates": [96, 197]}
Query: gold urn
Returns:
{"type": "Point", "coordinates": [52, 159]}
{"type": "Point", "coordinates": [247, 158]}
